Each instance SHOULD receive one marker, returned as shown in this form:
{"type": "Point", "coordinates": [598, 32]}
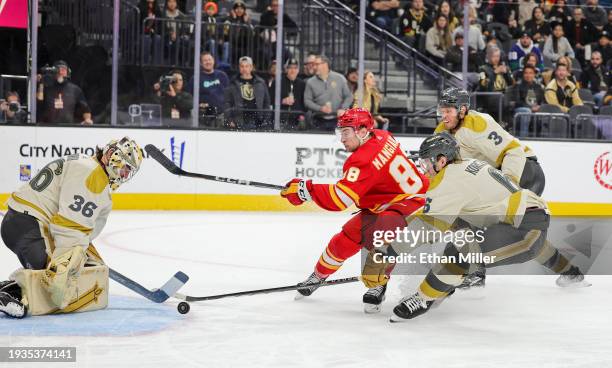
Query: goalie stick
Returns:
{"type": "Point", "coordinates": [189, 298]}
{"type": "Point", "coordinates": [158, 156]}
{"type": "Point", "coordinates": [156, 295]}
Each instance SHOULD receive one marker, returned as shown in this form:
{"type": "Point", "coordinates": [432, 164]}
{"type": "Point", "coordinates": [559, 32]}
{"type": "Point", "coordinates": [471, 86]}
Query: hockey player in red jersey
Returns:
{"type": "Point", "coordinates": [377, 178]}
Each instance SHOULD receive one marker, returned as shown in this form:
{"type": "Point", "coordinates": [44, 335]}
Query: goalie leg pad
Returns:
{"type": "Point", "coordinates": [91, 291]}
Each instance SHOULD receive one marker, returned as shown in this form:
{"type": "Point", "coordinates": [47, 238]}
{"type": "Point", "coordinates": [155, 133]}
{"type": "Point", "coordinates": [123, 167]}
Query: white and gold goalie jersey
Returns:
{"type": "Point", "coordinates": [480, 137]}
{"type": "Point", "coordinates": [71, 197]}
{"type": "Point", "coordinates": [477, 193]}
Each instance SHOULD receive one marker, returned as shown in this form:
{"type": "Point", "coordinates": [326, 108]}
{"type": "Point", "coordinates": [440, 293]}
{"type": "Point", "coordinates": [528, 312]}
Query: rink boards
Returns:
{"type": "Point", "coordinates": [578, 174]}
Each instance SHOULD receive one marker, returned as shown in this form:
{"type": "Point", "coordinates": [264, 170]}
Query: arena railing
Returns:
{"type": "Point", "coordinates": [331, 28]}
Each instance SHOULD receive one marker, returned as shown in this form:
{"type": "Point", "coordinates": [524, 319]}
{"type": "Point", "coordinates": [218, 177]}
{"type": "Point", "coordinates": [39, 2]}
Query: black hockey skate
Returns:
{"type": "Point", "coordinates": [305, 290]}
{"type": "Point", "coordinates": [410, 307]}
{"type": "Point", "coordinates": [572, 278]}
{"type": "Point", "coordinates": [373, 298]}
{"type": "Point", "coordinates": [474, 279]}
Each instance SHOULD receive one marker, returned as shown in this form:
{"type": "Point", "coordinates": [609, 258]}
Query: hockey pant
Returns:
{"type": "Point", "coordinates": [358, 233]}
{"type": "Point", "coordinates": [509, 245]}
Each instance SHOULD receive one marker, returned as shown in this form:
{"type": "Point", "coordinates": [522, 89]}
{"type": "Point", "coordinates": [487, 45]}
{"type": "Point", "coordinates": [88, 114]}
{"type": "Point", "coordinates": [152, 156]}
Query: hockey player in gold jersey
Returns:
{"type": "Point", "coordinates": [481, 137]}
{"type": "Point", "coordinates": [50, 224]}
{"type": "Point", "coordinates": [514, 221]}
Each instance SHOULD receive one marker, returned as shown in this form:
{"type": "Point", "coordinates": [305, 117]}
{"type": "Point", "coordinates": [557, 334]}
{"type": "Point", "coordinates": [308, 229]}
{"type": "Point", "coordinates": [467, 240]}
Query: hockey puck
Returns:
{"type": "Point", "coordinates": [183, 307]}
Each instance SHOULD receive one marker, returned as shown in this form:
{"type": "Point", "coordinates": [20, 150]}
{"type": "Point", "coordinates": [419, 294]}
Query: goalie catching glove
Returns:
{"type": "Point", "coordinates": [297, 191]}
{"type": "Point", "coordinates": [62, 274]}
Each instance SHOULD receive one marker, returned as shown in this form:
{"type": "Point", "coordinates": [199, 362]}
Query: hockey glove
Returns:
{"type": "Point", "coordinates": [297, 191]}
{"type": "Point", "coordinates": [376, 270]}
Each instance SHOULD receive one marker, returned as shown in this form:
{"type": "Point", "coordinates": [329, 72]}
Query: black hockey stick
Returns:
{"type": "Point", "coordinates": [262, 291]}
{"type": "Point", "coordinates": [157, 295]}
{"type": "Point", "coordinates": [171, 166]}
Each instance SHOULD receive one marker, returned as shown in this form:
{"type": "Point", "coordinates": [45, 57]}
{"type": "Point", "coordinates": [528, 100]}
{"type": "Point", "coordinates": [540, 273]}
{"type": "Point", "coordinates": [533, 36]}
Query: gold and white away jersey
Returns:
{"type": "Point", "coordinates": [477, 193]}
{"type": "Point", "coordinates": [480, 137]}
{"type": "Point", "coordinates": [71, 197]}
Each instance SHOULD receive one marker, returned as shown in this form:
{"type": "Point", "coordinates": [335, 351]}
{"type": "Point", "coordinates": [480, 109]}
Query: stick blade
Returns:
{"type": "Point", "coordinates": [158, 156]}
{"type": "Point", "coordinates": [175, 283]}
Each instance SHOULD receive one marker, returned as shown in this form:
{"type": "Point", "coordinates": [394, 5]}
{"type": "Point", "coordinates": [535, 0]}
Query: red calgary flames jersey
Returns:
{"type": "Point", "coordinates": [376, 175]}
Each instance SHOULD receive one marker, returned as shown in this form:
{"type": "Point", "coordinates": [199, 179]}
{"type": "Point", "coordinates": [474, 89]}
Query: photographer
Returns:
{"type": "Point", "coordinates": [176, 103]}
{"type": "Point", "coordinates": [10, 109]}
{"type": "Point", "coordinates": [59, 100]}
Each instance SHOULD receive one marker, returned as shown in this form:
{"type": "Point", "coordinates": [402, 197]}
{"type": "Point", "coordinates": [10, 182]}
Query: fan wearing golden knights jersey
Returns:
{"type": "Point", "coordinates": [513, 223]}
{"type": "Point", "coordinates": [50, 224]}
{"type": "Point", "coordinates": [482, 138]}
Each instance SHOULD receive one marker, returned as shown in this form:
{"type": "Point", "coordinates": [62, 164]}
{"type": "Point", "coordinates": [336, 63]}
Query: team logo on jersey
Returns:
{"type": "Point", "coordinates": [25, 172]}
{"type": "Point", "coordinates": [603, 170]}
{"type": "Point", "coordinates": [177, 152]}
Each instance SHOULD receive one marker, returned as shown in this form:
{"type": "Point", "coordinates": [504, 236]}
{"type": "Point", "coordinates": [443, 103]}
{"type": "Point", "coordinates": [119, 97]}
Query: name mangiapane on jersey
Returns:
{"type": "Point", "coordinates": [386, 153]}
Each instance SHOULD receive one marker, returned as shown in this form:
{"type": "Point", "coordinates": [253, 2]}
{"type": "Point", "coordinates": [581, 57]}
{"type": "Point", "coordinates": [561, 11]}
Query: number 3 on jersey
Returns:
{"type": "Point", "coordinates": [405, 176]}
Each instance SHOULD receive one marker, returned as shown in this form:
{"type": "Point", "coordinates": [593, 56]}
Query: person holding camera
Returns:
{"type": "Point", "coordinates": [60, 100]}
{"type": "Point", "coordinates": [176, 103]}
{"type": "Point", "coordinates": [10, 109]}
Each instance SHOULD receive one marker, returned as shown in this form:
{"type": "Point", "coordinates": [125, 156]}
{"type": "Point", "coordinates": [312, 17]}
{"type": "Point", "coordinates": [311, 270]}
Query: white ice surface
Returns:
{"type": "Point", "coordinates": [516, 321]}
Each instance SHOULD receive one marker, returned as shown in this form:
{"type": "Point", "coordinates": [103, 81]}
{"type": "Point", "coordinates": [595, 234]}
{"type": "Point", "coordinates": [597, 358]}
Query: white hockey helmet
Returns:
{"type": "Point", "coordinates": [123, 162]}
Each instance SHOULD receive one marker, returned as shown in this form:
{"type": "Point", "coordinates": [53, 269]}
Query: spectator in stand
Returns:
{"type": "Point", "coordinates": [59, 100]}
{"type": "Point", "coordinates": [268, 20]}
{"type": "Point", "coordinates": [495, 76]}
{"type": "Point", "coordinates": [454, 56]}
{"type": "Point", "coordinates": [596, 77]}
{"type": "Point", "coordinates": [476, 39]}
{"type": "Point", "coordinates": [548, 75]}
{"type": "Point", "coordinates": [561, 91]}
{"type": "Point", "coordinates": [352, 77]}
{"type": "Point", "coordinates": [438, 40]}
{"type": "Point", "coordinates": [446, 9]}
{"type": "Point", "coordinates": [514, 28]}
{"type": "Point", "coordinates": [528, 97]}
{"type": "Point", "coordinates": [414, 23]}
{"type": "Point", "coordinates": [371, 100]}
{"type": "Point", "coordinates": [560, 13]}
{"type": "Point", "coordinates": [603, 46]}
{"type": "Point", "coordinates": [310, 67]}
{"type": "Point", "coordinates": [247, 99]}
{"type": "Point", "coordinates": [10, 109]}
{"type": "Point", "coordinates": [292, 96]}
{"type": "Point", "coordinates": [270, 76]}
{"type": "Point", "coordinates": [557, 45]}
{"type": "Point", "coordinates": [530, 59]}
{"type": "Point", "coordinates": [580, 32]}
{"type": "Point", "coordinates": [174, 31]}
{"type": "Point", "coordinates": [537, 26]}
{"type": "Point", "coordinates": [212, 84]}
{"type": "Point", "coordinates": [525, 11]}
{"type": "Point", "coordinates": [595, 14]}
{"type": "Point", "coordinates": [212, 33]}
{"type": "Point", "coordinates": [238, 32]}
{"type": "Point", "coordinates": [152, 42]}
{"type": "Point", "coordinates": [383, 12]}
{"type": "Point", "coordinates": [519, 50]}
{"type": "Point", "coordinates": [608, 26]}
{"type": "Point", "coordinates": [176, 103]}
{"type": "Point", "coordinates": [327, 95]}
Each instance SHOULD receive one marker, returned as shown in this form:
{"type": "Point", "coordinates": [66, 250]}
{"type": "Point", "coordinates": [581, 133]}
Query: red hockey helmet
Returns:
{"type": "Point", "coordinates": [356, 118]}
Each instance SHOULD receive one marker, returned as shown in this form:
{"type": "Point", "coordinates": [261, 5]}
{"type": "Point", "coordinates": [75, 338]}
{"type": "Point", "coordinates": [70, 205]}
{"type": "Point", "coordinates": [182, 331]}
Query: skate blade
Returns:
{"type": "Point", "coordinates": [371, 308]}
{"type": "Point", "coordinates": [396, 319]}
{"type": "Point", "coordinates": [575, 285]}
{"type": "Point", "coordinates": [298, 296]}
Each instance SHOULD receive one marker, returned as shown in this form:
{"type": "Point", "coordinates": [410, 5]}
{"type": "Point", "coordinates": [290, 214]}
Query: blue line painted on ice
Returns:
{"type": "Point", "coordinates": [125, 316]}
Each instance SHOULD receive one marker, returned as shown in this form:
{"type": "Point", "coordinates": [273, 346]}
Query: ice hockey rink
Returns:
{"type": "Point", "coordinates": [516, 321]}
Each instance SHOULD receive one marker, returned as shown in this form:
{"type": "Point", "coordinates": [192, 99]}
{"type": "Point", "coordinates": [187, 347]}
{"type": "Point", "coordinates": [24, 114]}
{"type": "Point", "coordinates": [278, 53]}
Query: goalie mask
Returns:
{"type": "Point", "coordinates": [124, 161]}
